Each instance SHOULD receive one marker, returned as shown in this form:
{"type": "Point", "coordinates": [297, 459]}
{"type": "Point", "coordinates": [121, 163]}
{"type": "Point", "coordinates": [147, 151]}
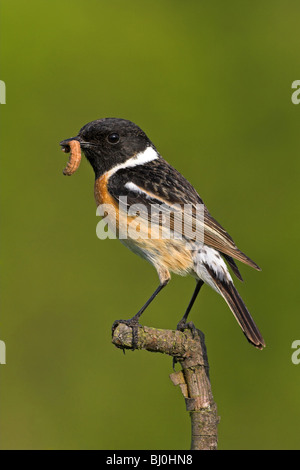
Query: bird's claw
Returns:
{"type": "Point", "coordinates": [182, 325]}
{"type": "Point", "coordinates": [134, 325]}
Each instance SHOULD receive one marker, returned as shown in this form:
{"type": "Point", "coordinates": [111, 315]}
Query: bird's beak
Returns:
{"type": "Point", "coordinates": [65, 143]}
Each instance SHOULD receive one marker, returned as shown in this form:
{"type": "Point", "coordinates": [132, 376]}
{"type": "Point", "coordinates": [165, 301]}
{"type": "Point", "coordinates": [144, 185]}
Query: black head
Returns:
{"type": "Point", "coordinates": [109, 142]}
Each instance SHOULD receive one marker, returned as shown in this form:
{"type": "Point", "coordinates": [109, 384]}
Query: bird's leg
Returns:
{"type": "Point", "coordinates": [183, 322]}
{"type": "Point", "coordinates": [134, 321]}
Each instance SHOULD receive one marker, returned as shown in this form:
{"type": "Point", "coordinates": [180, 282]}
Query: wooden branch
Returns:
{"type": "Point", "coordinates": [189, 350]}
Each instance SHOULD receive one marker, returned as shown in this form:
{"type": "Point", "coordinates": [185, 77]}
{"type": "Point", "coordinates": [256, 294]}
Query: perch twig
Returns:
{"type": "Point", "coordinates": [188, 349]}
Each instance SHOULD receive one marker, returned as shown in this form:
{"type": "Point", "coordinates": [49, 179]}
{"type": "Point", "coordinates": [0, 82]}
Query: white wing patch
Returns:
{"type": "Point", "coordinates": [133, 187]}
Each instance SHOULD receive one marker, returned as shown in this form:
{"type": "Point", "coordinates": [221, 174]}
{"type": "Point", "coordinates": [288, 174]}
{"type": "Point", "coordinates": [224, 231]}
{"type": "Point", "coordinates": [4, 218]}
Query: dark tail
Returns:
{"type": "Point", "coordinates": [241, 314]}
{"type": "Point", "coordinates": [239, 310]}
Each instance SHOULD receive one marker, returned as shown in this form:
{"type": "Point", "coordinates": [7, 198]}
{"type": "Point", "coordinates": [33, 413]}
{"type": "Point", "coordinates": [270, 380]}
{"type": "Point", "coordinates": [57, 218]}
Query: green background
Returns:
{"type": "Point", "coordinates": [210, 83]}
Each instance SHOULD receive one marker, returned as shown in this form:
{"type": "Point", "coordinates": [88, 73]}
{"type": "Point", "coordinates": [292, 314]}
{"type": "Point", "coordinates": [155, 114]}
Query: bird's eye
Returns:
{"type": "Point", "coordinates": [113, 138]}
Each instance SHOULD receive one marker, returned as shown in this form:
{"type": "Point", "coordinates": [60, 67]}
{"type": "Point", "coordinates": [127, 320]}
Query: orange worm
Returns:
{"type": "Point", "coordinates": [74, 159]}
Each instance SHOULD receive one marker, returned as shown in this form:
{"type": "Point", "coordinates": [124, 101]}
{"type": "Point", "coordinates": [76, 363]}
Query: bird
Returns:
{"type": "Point", "coordinates": [129, 173]}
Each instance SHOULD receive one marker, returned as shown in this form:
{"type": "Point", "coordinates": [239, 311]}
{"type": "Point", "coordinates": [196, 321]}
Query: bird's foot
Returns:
{"type": "Point", "coordinates": [183, 325]}
{"type": "Point", "coordinates": [133, 323]}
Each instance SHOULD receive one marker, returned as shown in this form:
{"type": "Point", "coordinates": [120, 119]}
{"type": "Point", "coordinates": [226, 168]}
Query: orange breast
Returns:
{"type": "Point", "coordinates": [114, 217]}
{"type": "Point", "coordinates": [170, 254]}
{"type": "Point", "coordinates": [101, 193]}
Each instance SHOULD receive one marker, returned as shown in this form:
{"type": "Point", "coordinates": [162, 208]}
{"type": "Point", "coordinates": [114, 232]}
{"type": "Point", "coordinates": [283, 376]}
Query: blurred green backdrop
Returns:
{"type": "Point", "coordinates": [210, 83]}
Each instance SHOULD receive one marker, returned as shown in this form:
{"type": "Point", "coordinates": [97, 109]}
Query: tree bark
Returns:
{"type": "Point", "coordinates": [187, 348]}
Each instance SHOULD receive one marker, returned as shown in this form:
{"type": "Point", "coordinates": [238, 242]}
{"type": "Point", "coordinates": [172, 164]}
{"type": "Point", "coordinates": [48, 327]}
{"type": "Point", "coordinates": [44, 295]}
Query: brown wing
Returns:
{"type": "Point", "coordinates": [160, 183]}
{"type": "Point", "coordinates": [217, 237]}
